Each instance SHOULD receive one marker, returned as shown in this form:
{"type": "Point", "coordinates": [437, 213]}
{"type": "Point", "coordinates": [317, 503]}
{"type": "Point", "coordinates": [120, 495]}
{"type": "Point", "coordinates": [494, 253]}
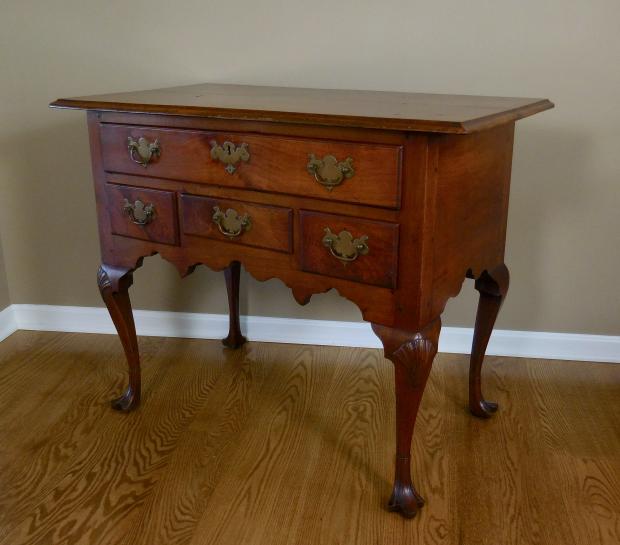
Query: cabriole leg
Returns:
{"type": "Point", "coordinates": [235, 339]}
{"type": "Point", "coordinates": [493, 287]}
{"type": "Point", "coordinates": [412, 355]}
{"type": "Point", "coordinates": [114, 284]}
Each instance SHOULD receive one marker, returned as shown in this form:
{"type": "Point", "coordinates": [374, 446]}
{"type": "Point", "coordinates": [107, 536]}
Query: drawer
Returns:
{"type": "Point", "coordinates": [146, 214]}
{"type": "Point", "coordinates": [269, 227]}
{"type": "Point", "coordinates": [352, 248]}
{"type": "Point", "coordinates": [342, 171]}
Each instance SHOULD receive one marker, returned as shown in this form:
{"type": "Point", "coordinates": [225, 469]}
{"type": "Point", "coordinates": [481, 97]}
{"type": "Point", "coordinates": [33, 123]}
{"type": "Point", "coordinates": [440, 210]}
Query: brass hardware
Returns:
{"type": "Point", "coordinates": [328, 171]}
{"type": "Point", "coordinates": [229, 154]}
{"type": "Point", "coordinates": [142, 151]}
{"type": "Point", "coordinates": [343, 246]}
{"type": "Point", "coordinates": [140, 213]}
{"type": "Point", "coordinates": [230, 223]}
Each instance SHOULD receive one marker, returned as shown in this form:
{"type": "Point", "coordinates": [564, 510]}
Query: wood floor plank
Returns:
{"type": "Point", "coordinates": [52, 422]}
{"type": "Point", "coordinates": [284, 444]}
{"type": "Point", "coordinates": [586, 467]}
{"type": "Point", "coordinates": [259, 473]}
{"type": "Point", "coordinates": [347, 474]}
{"type": "Point", "coordinates": [122, 472]}
{"type": "Point", "coordinates": [202, 454]}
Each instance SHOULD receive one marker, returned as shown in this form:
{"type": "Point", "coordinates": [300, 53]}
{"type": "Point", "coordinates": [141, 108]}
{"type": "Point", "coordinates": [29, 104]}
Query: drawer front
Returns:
{"type": "Point", "coordinates": [269, 227]}
{"type": "Point", "coordinates": [351, 172]}
{"type": "Point", "coordinates": [359, 250]}
{"type": "Point", "coordinates": [146, 214]}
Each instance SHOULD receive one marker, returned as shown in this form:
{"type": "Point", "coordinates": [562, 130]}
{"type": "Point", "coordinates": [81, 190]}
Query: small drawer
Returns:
{"type": "Point", "coordinates": [269, 227]}
{"type": "Point", "coordinates": [146, 214]}
{"type": "Point", "coordinates": [356, 249]}
{"type": "Point", "coordinates": [361, 173]}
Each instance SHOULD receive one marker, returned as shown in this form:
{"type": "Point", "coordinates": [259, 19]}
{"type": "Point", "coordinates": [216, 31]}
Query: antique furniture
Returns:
{"type": "Point", "coordinates": [390, 198]}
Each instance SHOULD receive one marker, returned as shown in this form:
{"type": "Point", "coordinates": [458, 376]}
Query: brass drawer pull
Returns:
{"type": "Point", "coordinates": [328, 171]}
{"type": "Point", "coordinates": [140, 213]}
{"type": "Point", "coordinates": [230, 223]}
{"type": "Point", "coordinates": [142, 151]}
{"type": "Point", "coordinates": [230, 154]}
{"type": "Point", "coordinates": [343, 246]}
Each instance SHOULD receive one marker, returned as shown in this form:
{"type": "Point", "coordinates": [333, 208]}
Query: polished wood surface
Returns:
{"type": "Point", "coordinates": [493, 288]}
{"type": "Point", "coordinates": [378, 267]}
{"type": "Point", "coordinates": [412, 356]}
{"type": "Point", "coordinates": [164, 226]}
{"type": "Point", "coordinates": [290, 445]}
{"type": "Point", "coordinates": [369, 109]}
{"type": "Point", "coordinates": [114, 284]}
{"type": "Point", "coordinates": [271, 227]}
{"type": "Point", "coordinates": [275, 163]}
{"type": "Point", "coordinates": [297, 198]}
{"type": "Point", "coordinates": [235, 338]}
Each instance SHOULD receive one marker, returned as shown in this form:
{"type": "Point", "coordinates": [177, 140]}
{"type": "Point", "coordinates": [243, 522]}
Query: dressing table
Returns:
{"type": "Point", "coordinates": [393, 199]}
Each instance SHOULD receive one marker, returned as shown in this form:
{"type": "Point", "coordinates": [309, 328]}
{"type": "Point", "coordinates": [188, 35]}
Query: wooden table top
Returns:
{"type": "Point", "coordinates": [367, 109]}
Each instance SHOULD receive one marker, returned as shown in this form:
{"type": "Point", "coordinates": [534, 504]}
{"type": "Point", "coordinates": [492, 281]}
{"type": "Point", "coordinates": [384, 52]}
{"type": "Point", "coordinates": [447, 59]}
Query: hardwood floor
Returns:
{"type": "Point", "coordinates": [284, 444]}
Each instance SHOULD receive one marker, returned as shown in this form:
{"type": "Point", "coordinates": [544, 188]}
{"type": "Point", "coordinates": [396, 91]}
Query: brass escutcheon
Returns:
{"type": "Point", "coordinates": [229, 154]}
{"type": "Point", "coordinates": [142, 151]}
{"type": "Point", "coordinates": [343, 246]}
{"type": "Point", "coordinates": [140, 213]}
{"type": "Point", "coordinates": [328, 171]}
{"type": "Point", "coordinates": [230, 223]}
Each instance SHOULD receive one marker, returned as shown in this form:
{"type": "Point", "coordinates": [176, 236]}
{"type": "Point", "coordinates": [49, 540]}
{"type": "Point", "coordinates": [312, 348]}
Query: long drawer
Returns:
{"type": "Point", "coordinates": [361, 173]}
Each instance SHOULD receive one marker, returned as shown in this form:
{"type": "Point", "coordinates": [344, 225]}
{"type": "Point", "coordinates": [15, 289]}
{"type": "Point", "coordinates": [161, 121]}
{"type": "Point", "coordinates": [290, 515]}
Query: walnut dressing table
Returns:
{"type": "Point", "coordinates": [390, 198]}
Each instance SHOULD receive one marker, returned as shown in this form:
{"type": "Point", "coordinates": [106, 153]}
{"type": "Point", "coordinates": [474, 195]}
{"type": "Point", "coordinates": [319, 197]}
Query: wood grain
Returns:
{"type": "Point", "coordinates": [345, 108]}
{"type": "Point", "coordinates": [379, 266]}
{"type": "Point", "coordinates": [163, 227]}
{"type": "Point", "coordinates": [277, 164]}
{"type": "Point", "coordinates": [450, 193]}
{"type": "Point", "coordinates": [284, 444]}
{"type": "Point", "coordinates": [452, 216]}
{"type": "Point", "coordinates": [271, 226]}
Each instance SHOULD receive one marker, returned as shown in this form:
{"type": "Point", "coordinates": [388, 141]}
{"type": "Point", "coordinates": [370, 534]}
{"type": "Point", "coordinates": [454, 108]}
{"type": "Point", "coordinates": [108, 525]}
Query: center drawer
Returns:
{"type": "Point", "coordinates": [364, 173]}
{"type": "Point", "coordinates": [238, 222]}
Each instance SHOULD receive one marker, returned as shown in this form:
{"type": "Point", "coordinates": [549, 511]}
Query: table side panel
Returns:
{"type": "Point", "coordinates": [472, 187]}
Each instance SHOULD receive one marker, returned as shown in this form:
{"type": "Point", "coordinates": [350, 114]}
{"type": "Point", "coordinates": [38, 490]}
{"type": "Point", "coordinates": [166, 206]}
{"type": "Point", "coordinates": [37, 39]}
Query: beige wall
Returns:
{"type": "Point", "coordinates": [564, 226]}
{"type": "Point", "coordinates": [4, 287]}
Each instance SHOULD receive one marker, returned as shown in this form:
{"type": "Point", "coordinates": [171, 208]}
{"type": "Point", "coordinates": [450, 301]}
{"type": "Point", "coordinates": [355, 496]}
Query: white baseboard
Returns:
{"type": "Point", "coordinates": [560, 346]}
{"type": "Point", "coordinates": [7, 323]}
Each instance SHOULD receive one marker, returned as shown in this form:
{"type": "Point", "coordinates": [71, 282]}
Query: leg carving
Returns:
{"type": "Point", "coordinates": [114, 286]}
{"type": "Point", "coordinates": [493, 287]}
{"type": "Point", "coordinates": [235, 339]}
{"type": "Point", "coordinates": [412, 356]}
